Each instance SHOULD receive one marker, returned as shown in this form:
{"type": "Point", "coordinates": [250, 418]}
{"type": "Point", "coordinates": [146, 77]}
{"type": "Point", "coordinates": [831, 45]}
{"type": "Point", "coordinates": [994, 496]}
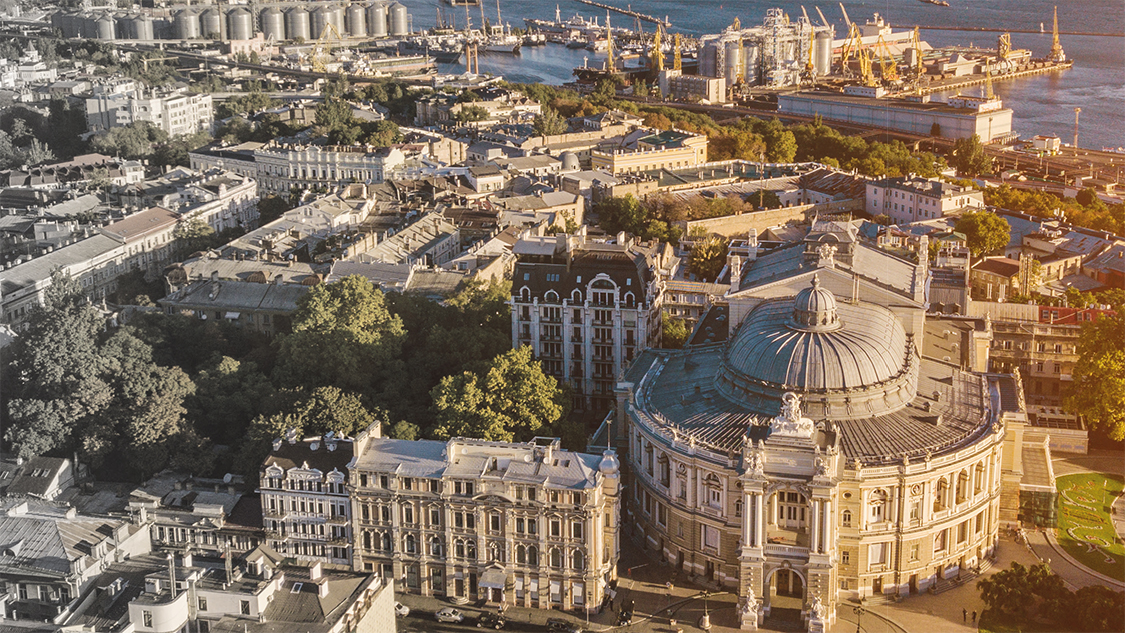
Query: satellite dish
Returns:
{"type": "Point", "coordinates": [227, 478]}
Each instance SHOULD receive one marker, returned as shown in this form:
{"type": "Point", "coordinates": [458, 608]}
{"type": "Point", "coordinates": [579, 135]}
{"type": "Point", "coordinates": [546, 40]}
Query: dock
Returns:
{"type": "Point", "coordinates": [984, 29]}
{"type": "Point", "coordinates": [628, 12]}
{"type": "Point", "coordinates": [956, 83]}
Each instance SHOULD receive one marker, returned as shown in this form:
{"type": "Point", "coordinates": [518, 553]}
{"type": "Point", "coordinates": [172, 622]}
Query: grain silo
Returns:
{"type": "Point", "coordinates": [377, 19]}
{"type": "Point", "coordinates": [822, 53]}
{"type": "Point", "coordinates": [356, 20]}
{"type": "Point", "coordinates": [143, 29]}
{"type": "Point", "coordinates": [241, 24]}
{"type": "Point", "coordinates": [318, 20]}
{"type": "Point", "coordinates": [107, 28]}
{"type": "Point", "coordinates": [185, 26]}
{"type": "Point", "coordinates": [273, 24]}
{"type": "Point", "coordinates": [400, 20]}
{"type": "Point", "coordinates": [212, 24]}
{"type": "Point", "coordinates": [297, 24]}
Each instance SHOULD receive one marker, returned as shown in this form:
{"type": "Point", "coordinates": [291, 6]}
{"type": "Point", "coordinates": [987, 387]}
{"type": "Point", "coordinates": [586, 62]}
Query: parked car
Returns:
{"type": "Point", "coordinates": [625, 615]}
{"type": "Point", "coordinates": [491, 620]}
{"type": "Point", "coordinates": [401, 610]}
{"type": "Point", "coordinates": [449, 614]}
{"type": "Point", "coordinates": [562, 626]}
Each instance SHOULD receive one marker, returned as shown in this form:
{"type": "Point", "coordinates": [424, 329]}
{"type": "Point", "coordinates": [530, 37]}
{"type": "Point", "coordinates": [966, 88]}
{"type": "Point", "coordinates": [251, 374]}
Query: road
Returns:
{"type": "Point", "coordinates": [424, 622]}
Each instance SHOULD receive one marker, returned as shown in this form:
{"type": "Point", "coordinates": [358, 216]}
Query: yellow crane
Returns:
{"type": "Point", "coordinates": [1004, 46]}
{"type": "Point", "coordinates": [853, 44]}
{"type": "Point", "coordinates": [610, 62]}
{"type": "Point", "coordinates": [1057, 54]}
{"type": "Point", "coordinates": [677, 60]}
{"type": "Point", "coordinates": [917, 44]}
{"type": "Point", "coordinates": [320, 51]}
{"type": "Point", "coordinates": [865, 73]}
{"type": "Point", "coordinates": [888, 67]}
{"type": "Point", "coordinates": [657, 55]}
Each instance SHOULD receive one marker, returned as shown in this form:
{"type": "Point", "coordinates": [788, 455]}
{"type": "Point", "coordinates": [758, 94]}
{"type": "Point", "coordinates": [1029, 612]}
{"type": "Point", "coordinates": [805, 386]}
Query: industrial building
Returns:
{"type": "Point", "coordinates": [960, 117]}
{"type": "Point", "coordinates": [276, 21]}
{"type": "Point", "coordinates": [777, 53]}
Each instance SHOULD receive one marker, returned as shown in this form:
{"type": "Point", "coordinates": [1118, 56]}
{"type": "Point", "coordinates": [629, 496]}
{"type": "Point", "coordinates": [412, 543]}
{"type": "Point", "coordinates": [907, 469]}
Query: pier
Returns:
{"type": "Point", "coordinates": [957, 83]}
{"type": "Point", "coordinates": [628, 12]}
{"type": "Point", "coordinates": [984, 29]}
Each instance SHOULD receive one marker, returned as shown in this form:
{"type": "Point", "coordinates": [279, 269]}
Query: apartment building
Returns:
{"type": "Point", "coordinates": [305, 507]}
{"type": "Point", "coordinates": [279, 168]}
{"type": "Point", "coordinates": [674, 84]}
{"type": "Point", "coordinates": [222, 199]}
{"type": "Point", "coordinates": [526, 524]}
{"type": "Point", "coordinates": [587, 307]}
{"type": "Point", "coordinates": [911, 198]}
{"type": "Point", "coordinates": [123, 102]}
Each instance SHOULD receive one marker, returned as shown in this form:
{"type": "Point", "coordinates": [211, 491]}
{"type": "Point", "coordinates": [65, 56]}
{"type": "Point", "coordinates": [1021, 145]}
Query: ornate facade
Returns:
{"type": "Point", "coordinates": [817, 456]}
{"type": "Point", "coordinates": [525, 524]}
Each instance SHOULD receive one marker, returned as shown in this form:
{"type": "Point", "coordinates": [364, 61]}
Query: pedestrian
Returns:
{"type": "Point", "coordinates": [964, 615]}
{"type": "Point", "coordinates": [974, 617]}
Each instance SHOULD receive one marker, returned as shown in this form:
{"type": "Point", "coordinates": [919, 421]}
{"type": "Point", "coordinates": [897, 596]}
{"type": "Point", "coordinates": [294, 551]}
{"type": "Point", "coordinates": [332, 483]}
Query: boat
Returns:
{"type": "Point", "coordinates": [502, 44]}
{"type": "Point", "coordinates": [463, 3]}
{"type": "Point", "coordinates": [442, 50]}
{"type": "Point", "coordinates": [534, 39]}
{"type": "Point", "coordinates": [940, 3]}
{"type": "Point", "coordinates": [576, 44]}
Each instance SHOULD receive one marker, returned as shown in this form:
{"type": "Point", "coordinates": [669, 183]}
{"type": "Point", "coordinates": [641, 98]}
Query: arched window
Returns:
{"type": "Point", "coordinates": [435, 546]}
{"type": "Point", "coordinates": [630, 299]}
{"type": "Point", "coordinates": [556, 558]}
{"type": "Point", "coordinates": [576, 296]}
{"type": "Point", "coordinates": [878, 506]}
{"type": "Point", "coordinates": [366, 539]}
{"type": "Point", "coordinates": [525, 294]}
{"type": "Point", "coordinates": [521, 554]}
{"type": "Point", "coordinates": [471, 550]}
{"type": "Point", "coordinates": [846, 517]}
{"type": "Point", "coordinates": [532, 555]}
{"type": "Point", "coordinates": [459, 548]}
{"type": "Point", "coordinates": [940, 491]}
{"type": "Point", "coordinates": [387, 546]}
{"type": "Point", "coordinates": [962, 486]}
{"type": "Point", "coordinates": [578, 560]}
{"type": "Point", "coordinates": [551, 297]}
{"type": "Point", "coordinates": [714, 491]}
{"type": "Point", "coordinates": [411, 544]}
{"type": "Point", "coordinates": [978, 479]}
{"type": "Point", "coordinates": [603, 292]}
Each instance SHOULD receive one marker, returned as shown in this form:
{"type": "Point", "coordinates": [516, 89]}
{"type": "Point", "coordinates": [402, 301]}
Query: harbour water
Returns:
{"type": "Point", "coordinates": [1042, 105]}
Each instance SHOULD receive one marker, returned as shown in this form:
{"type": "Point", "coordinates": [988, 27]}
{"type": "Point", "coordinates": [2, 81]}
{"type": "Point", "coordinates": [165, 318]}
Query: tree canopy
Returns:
{"type": "Point", "coordinates": [509, 400]}
{"type": "Point", "coordinates": [968, 157]}
{"type": "Point", "coordinates": [342, 336]}
{"type": "Point", "coordinates": [1098, 391]}
{"type": "Point", "coordinates": [708, 257]}
{"type": "Point", "coordinates": [985, 232]}
{"type": "Point", "coordinates": [549, 122]}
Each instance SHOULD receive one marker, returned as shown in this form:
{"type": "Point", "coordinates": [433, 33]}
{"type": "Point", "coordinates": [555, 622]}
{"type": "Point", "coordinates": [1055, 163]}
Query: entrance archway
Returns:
{"type": "Point", "coordinates": [785, 594]}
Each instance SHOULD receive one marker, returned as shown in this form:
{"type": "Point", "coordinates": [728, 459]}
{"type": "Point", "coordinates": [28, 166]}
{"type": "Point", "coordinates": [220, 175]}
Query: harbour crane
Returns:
{"type": "Point", "coordinates": [823, 20]}
{"type": "Point", "coordinates": [320, 51]}
{"type": "Point", "coordinates": [677, 60]}
{"type": "Point", "coordinates": [888, 67]}
{"type": "Point", "coordinates": [847, 20]}
{"type": "Point", "coordinates": [657, 55]}
{"type": "Point", "coordinates": [1057, 54]}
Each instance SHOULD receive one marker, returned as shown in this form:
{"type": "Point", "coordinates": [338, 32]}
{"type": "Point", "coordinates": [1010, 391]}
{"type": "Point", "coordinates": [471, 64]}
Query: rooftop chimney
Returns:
{"type": "Point", "coordinates": [316, 571]}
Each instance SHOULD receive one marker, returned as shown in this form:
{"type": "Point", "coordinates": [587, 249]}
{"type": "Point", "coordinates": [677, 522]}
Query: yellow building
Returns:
{"type": "Point", "coordinates": [668, 149]}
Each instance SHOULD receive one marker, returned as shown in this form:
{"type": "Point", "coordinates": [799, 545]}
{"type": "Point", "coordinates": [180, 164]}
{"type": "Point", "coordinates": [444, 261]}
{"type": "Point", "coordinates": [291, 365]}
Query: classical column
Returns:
{"type": "Point", "coordinates": [814, 525]}
{"type": "Point", "coordinates": [749, 520]}
{"type": "Point", "coordinates": [829, 526]}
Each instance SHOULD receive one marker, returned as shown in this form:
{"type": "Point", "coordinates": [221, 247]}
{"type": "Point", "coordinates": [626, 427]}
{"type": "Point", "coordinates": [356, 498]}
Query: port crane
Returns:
{"type": "Point", "coordinates": [887, 65]}
{"type": "Point", "coordinates": [657, 57]}
{"type": "Point", "coordinates": [320, 51]}
{"type": "Point", "coordinates": [677, 60]}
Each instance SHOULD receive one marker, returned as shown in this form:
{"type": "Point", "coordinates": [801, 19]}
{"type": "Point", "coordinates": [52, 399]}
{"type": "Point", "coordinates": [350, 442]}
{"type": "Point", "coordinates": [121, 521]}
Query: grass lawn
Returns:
{"type": "Point", "coordinates": [1084, 513]}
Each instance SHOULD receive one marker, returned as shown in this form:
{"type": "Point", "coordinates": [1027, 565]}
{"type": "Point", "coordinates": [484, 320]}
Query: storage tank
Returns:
{"type": "Point", "coordinates": [241, 24]}
{"type": "Point", "coordinates": [185, 26]}
{"type": "Point", "coordinates": [357, 20]}
{"type": "Point", "coordinates": [107, 28]}
{"type": "Point", "coordinates": [751, 59]}
{"type": "Point", "coordinates": [732, 69]}
{"type": "Point", "coordinates": [89, 27]}
{"type": "Point", "coordinates": [399, 20]}
{"type": "Point", "coordinates": [822, 53]}
{"type": "Point", "coordinates": [124, 26]}
{"type": "Point", "coordinates": [297, 24]}
{"type": "Point", "coordinates": [273, 24]}
{"type": "Point", "coordinates": [212, 24]}
{"type": "Point", "coordinates": [377, 19]}
{"type": "Point", "coordinates": [318, 20]}
{"type": "Point", "coordinates": [143, 29]}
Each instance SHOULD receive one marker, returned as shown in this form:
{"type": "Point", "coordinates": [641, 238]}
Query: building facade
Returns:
{"type": "Point", "coordinates": [587, 308]}
{"type": "Point", "coordinates": [818, 456]}
{"type": "Point", "coordinates": [123, 103]}
{"type": "Point", "coordinates": [668, 149]}
{"type": "Point", "coordinates": [526, 524]}
{"type": "Point", "coordinates": [911, 199]}
{"type": "Point", "coordinates": [305, 508]}
{"type": "Point", "coordinates": [277, 169]}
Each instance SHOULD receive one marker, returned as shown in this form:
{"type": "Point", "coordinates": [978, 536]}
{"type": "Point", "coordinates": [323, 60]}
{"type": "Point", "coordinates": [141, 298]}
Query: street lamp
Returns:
{"type": "Point", "coordinates": [1076, 112]}
{"type": "Point", "coordinates": [705, 621]}
{"type": "Point", "coordinates": [859, 611]}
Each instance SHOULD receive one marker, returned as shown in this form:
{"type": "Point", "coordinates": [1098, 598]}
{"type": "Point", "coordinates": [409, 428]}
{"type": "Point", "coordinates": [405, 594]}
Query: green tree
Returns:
{"type": "Point", "coordinates": [969, 158]}
{"type": "Point", "coordinates": [194, 235]}
{"type": "Point", "coordinates": [511, 400]}
{"type": "Point", "coordinates": [174, 151]}
{"type": "Point", "coordinates": [403, 430]}
{"type": "Point", "coordinates": [549, 123]}
{"type": "Point", "coordinates": [342, 336]}
{"type": "Point", "coordinates": [1008, 592]}
{"type": "Point", "coordinates": [708, 257]}
{"type": "Point", "coordinates": [229, 394]}
{"type": "Point", "coordinates": [1098, 391]}
{"type": "Point", "coordinates": [132, 142]}
{"type": "Point", "coordinates": [1098, 608]}
{"type": "Point", "coordinates": [315, 412]}
{"type": "Point", "coordinates": [625, 213]}
{"type": "Point", "coordinates": [384, 133]}
{"type": "Point", "coordinates": [781, 147]}
{"type": "Point", "coordinates": [270, 208]}
{"type": "Point", "coordinates": [984, 231]}
{"type": "Point", "coordinates": [470, 114]}
{"type": "Point", "coordinates": [675, 332]}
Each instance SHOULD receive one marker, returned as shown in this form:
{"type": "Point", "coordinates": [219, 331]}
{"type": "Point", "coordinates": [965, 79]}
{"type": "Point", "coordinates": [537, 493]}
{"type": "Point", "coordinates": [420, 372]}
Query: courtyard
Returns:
{"type": "Point", "coordinates": [1085, 525]}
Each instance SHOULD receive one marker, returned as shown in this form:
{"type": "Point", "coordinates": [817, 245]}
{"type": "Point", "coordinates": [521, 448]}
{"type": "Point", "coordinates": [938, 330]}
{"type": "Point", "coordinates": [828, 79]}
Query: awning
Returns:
{"type": "Point", "coordinates": [493, 579]}
{"type": "Point", "coordinates": [232, 315]}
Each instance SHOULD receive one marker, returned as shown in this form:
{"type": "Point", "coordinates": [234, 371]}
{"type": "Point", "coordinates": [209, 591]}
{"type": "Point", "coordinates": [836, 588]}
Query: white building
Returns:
{"type": "Point", "coordinates": [280, 168]}
{"type": "Point", "coordinates": [120, 103]}
{"type": "Point", "coordinates": [528, 524]}
{"type": "Point", "coordinates": [222, 199]}
{"type": "Point", "coordinates": [305, 507]}
{"type": "Point", "coordinates": [910, 199]}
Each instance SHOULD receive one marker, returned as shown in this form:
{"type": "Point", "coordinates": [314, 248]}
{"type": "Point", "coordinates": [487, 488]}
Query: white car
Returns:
{"type": "Point", "coordinates": [449, 614]}
{"type": "Point", "coordinates": [401, 610]}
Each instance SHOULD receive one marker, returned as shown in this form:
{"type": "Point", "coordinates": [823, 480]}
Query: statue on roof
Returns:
{"type": "Point", "coordinates": [790, 422]}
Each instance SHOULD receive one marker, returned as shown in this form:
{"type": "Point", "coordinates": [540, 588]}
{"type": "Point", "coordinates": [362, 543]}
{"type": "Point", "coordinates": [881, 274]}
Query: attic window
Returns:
{"type": "Point", "coordinates": [629, 281]}
{"type": "Point", "coordinates": [526, 276]}
{"type": "Point", "coordinates": [297, 587]}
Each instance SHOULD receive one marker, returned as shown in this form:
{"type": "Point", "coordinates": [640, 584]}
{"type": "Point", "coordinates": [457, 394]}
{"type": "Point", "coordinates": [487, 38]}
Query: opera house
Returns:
{"type": "Point", "coordinates": [816, 454]}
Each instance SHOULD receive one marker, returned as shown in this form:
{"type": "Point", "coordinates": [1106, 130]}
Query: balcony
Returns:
{"type": "Point", "coordinates": [786, 551]}
{"type": "Point", "coordinates": [338, 519]}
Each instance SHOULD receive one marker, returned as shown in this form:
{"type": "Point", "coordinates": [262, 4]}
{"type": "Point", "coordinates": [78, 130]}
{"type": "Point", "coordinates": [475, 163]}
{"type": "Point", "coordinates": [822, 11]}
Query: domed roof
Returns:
{"type": "Point", "coordinates": [570, 161]}
{"type": "Point", "coordinates": [815, 308]}
{"type": "Point", "coordinates": [843, 358]}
